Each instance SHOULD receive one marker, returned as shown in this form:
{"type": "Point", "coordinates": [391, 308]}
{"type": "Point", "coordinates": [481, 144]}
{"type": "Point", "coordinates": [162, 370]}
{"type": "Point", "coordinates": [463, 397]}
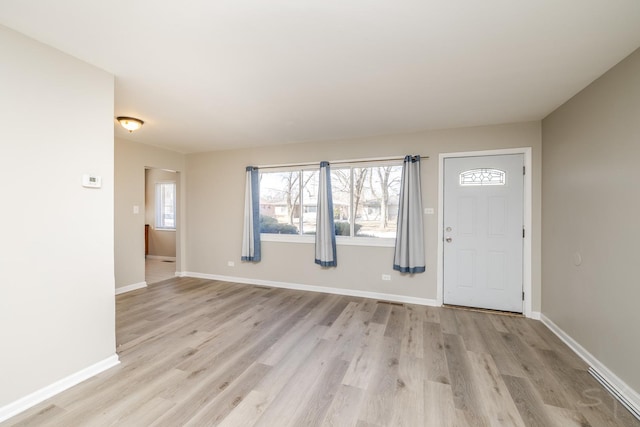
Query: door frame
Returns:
{"type": "Point", "coordinates": [528, 208]}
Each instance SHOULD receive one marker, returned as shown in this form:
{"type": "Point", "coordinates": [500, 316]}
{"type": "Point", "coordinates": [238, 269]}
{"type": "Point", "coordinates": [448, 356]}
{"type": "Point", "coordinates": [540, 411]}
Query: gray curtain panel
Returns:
{"type": "Point", "coordinates": [325, 227]}
{"type": "Point", "coordinates": [409, 254]}
{"type": "Point", "coordinates": [251, 231]}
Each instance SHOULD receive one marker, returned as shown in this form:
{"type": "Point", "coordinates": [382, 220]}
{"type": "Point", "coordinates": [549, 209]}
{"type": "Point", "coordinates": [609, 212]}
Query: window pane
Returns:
{"type": "Point", "coordinates": [309, 201]}
{"type": "Point", "coordinates": [341, 191]}
{"type": "Point", "coordinates": [166, 205]}
{"type": "Point", "coordinates": [376, 193]}
{"type": "Point", "coordinates": [483, 177]}
{"type": "Point", "coordinates": [168, 208]}
{"type": "Point", "coordinates": [280, 202]}
{"type": "Point", "coordinates": [288, 201]}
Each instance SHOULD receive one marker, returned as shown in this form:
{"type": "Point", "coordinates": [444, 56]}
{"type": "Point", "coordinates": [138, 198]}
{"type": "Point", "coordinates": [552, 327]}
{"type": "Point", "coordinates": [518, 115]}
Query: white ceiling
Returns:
{"type": "Point", "coordinates": [220, 74]}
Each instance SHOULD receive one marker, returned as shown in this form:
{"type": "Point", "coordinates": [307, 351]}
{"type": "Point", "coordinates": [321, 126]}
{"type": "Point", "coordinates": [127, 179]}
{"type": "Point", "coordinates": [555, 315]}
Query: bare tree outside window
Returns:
{"type": "Point", "coordinates": [377, 208]}
{"type": "Point", "coordinates": [389, 185]}
{"type": "Point", "coordinates": [292, 193]}
{"type": "Point", "coordinates": [286, 202]}
{"type": "Point", "coordinates": [365, 200]}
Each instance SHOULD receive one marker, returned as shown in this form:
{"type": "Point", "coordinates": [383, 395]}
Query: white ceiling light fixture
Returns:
{"type": "Point", "coordinates": [130, 123]}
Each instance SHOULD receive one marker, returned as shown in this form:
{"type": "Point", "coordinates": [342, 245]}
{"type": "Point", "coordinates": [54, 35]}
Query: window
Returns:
{"type": "Point", "coordinates": [365, 202]}
{"type": "Point", "coordinates": [288, 202]}
{"type": "Point", "coordinates": [166, 206]}
{"type": "Point", "coordinates": [483, 177]}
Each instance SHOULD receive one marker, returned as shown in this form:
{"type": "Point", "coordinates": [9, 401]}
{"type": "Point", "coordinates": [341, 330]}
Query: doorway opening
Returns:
{"type": "Point", "coordinates": [161, 223]}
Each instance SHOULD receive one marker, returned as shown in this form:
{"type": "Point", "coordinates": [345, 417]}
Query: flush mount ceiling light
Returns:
{"type": "Point", "coordinates": [130, 123]}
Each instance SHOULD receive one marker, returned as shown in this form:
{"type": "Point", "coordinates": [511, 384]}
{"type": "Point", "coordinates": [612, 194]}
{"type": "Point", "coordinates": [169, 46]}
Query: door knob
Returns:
{"type": "Point", "coordinates": [448, 239]}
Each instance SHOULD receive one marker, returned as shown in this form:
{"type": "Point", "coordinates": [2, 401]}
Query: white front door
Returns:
{"type": "Point", "coordinates": [483, 231]}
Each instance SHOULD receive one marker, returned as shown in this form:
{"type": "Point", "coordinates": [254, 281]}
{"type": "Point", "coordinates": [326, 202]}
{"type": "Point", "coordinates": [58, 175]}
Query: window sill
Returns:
{"type": "Point", "coordinates": [286, 238]}
{"type": "Point", "coordinates": [164, 229]}
{"type": "Point", "coordinates": [340, 241]}
{"type": "Point", "coordinates": [366, 241]}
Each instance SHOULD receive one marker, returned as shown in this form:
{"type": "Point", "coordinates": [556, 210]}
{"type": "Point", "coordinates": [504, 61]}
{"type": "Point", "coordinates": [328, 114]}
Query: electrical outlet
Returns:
{"type": "Point", "coordinates": [231, 263]}
{"type": "Point", "coordinates": [386, 277]}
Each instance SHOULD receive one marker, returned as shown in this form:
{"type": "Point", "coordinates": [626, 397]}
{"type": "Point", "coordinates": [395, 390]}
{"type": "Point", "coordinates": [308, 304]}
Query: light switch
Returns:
{"type": "Point", "coordinates": [136, 209]}
{"type": "Point", "coordinates": [429, 211]}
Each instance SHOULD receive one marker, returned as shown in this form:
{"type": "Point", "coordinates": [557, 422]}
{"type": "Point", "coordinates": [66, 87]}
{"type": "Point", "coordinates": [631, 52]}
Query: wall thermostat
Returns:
{"type": "Point", "coordinates": [91, 181]}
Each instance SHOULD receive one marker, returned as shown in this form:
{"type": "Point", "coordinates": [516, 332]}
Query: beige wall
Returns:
{"type": "Point", "coordinates": [56, 257]}
{"type": "Point", "coordinates": [161, 242]}
{"type": "Point", "coordinates": [216, 198]}
{"type": "Point", "coordinates": [131, 159]}
{"type": "Point", "coordinates": [591, 207]}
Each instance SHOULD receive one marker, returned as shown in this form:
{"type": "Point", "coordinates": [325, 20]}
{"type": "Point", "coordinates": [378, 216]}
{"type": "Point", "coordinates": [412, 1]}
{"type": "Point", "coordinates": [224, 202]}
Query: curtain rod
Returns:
{"type": "Point", "coordinates": [336, 162]}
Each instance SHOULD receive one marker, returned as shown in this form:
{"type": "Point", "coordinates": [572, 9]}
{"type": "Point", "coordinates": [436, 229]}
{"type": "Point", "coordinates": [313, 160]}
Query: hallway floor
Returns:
{"type": "Point", "coordinates": [157, 270]}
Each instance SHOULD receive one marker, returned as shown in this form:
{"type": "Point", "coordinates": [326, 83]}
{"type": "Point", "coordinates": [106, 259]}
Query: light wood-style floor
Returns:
{"type": "Point", "coordinates": [199, 353]}
{"type": "Point", "coordinates": [157, 270]}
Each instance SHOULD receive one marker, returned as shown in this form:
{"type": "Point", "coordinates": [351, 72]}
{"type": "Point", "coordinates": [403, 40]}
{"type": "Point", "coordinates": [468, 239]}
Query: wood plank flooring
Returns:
{"type": "Point", "coordinates": [201, 353]}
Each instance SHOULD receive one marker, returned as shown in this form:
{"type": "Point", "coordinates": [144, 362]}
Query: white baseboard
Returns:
{"type": "Point", "coordinates": [161, 257]}
{"type": "Point", "coordinates": [20, 405]}
{"type": "Point", "coordinates": [621, 390]}
{"type": "Point", "coordinates": [313, 288]}
{"type": "Point", "coordinates": [338, 291]}
{"type": "Point", "coordinates": [129, 288]}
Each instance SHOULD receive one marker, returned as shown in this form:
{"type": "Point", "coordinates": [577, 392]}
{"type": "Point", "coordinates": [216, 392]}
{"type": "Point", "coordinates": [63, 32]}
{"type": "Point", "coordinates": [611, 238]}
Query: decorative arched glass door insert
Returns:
{"type": "Point", "coordinates": [483, 177]}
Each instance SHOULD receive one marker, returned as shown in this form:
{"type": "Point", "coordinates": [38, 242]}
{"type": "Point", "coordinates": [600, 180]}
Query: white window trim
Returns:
{"type": "Point", "coordinates": [365, 241]}
{"type": "Point", "coordinates": [340, 240]}
{"type": "Point", "coordinates": [287, 238]}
